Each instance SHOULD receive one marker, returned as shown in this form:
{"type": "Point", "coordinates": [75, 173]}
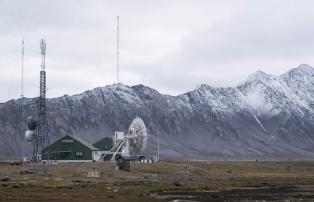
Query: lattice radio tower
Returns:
{"type": "Point", "coordinates": [41, 140]}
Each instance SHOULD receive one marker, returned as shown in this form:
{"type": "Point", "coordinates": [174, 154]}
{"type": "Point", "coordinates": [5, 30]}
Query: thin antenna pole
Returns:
{"type": "Point", "coordinates": [22, 96]}
{"type": "Point", "coordinates": [158, 146]}
{"type": "Point", "coordinates": [118, 44]}
{"type": "Point", "coordinates": [22, 79]}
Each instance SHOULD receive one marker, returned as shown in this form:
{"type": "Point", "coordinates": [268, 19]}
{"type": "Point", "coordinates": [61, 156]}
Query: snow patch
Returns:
{"type": "Point", "coordinates": [257, 120]}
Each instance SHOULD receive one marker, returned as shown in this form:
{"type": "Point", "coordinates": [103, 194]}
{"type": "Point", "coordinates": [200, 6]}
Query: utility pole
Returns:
{"type": "Point", "coordinates": [118, 44]}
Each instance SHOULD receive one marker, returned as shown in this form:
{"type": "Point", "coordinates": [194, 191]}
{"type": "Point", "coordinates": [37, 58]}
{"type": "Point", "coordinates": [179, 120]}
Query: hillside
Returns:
{"type": "Point", "coordinates": [264, 117]}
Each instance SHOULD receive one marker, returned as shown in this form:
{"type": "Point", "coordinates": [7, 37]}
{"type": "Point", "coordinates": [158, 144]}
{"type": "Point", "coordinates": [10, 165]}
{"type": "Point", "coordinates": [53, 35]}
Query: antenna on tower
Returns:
{"type": "Point", "coordinates": [118, 44]}
{"type": "Point", "coordinates": [43, 54]}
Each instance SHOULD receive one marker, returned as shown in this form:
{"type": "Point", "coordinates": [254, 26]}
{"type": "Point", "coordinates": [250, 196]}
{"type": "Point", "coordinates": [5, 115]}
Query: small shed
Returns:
{"type": "Point", "coordinates": [70, 148]}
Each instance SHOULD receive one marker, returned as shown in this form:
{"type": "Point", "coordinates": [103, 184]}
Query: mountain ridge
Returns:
{"type": "Point", "coordinates": [264, 117]}
{"type": "Point", "coordinates": [304, 67]}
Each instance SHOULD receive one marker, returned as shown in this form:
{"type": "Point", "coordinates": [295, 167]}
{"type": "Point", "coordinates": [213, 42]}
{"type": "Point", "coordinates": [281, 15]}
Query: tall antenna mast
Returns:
{"type": "Point", "coordinates": [22, 96]}
{"type": "Point", "coordinates": [41, 138]}
{"type": "Point", "coordinates": [118, 44]}
{"type": "Point", "coordinates": [22, 75]}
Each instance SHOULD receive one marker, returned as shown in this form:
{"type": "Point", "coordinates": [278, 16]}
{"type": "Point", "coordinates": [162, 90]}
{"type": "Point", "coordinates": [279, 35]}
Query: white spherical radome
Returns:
{"type": "Point", "coordinates": [29, 135]}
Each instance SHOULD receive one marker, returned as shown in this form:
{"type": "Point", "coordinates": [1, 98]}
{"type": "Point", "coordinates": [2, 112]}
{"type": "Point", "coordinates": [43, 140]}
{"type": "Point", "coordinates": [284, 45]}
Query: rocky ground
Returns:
{"type": "Point", "coordinates": [166, 181]}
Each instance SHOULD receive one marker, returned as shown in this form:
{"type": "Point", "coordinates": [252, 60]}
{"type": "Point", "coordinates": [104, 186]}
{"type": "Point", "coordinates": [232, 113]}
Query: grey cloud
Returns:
{"type": "Point", "coordinates": [169, 45]}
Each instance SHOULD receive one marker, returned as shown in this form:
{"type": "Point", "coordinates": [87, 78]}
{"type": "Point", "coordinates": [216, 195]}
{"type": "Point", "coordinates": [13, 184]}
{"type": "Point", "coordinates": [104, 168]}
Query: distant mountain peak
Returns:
{"type": "Point", "coordinates": [117, 86]}
{"type": "Point", "coordinates": [258, 76]}
{"type": "Point", "coordinates": [303, 69]}
{"type": "Point", "coordinates": [200, 86]}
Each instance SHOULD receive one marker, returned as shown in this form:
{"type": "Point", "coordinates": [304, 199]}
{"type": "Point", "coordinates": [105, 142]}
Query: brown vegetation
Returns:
{"type": "Point", "coordinates": [197, 180]}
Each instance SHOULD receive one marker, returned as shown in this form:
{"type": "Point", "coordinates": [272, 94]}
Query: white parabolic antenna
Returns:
{"type": "Point", "coordinates": [137, 136]}
{"type": "Point", "coordinates": [134, 142]}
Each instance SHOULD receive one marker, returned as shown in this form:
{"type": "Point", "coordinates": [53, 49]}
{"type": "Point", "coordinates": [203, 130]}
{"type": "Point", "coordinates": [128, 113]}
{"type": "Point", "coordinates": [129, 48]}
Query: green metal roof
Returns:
{"type": "Point", "coordinates": [90, 146]}
{"type": "Point", "coordinates": [104, 144]}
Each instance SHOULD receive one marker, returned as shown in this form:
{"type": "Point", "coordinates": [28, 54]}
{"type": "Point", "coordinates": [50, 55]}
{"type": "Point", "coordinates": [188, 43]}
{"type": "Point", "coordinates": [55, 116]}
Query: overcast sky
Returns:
{"type": "Point", "coordinates": [169, 45]}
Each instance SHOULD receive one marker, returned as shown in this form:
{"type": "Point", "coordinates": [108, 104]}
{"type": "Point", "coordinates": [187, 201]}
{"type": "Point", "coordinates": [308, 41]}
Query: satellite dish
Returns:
{"type": "Point", "coordinates": [31, 123]}
{"type": "Point", "coordinates": [137, 136]}
{"type": "Point", "coordinates": [29, 134]}
{"type": "Point", "coordinates": [134, 142]}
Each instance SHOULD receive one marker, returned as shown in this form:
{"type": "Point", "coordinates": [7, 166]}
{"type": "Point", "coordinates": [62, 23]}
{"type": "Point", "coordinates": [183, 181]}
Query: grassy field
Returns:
{"type": "Point", "coordinates": [166, 181]}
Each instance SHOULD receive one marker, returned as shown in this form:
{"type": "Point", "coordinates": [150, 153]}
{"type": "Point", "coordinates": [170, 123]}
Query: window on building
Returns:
{"type": "Point", "coordinates": [79, 154]}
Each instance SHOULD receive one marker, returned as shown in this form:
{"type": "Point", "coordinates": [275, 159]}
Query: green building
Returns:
{"type": "Point", "coordinates": [104, 144]}
{"type": "Point", "coordinates": [71, 148]}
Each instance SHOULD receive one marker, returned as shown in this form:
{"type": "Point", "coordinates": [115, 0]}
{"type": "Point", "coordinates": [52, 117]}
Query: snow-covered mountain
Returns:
{"type": "Point", "coordinates": [264, 117]}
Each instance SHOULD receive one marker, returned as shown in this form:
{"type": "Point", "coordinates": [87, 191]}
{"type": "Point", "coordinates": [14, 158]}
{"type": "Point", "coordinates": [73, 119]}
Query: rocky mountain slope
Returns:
{"type": "Point", "coordinates": [264, 117]}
